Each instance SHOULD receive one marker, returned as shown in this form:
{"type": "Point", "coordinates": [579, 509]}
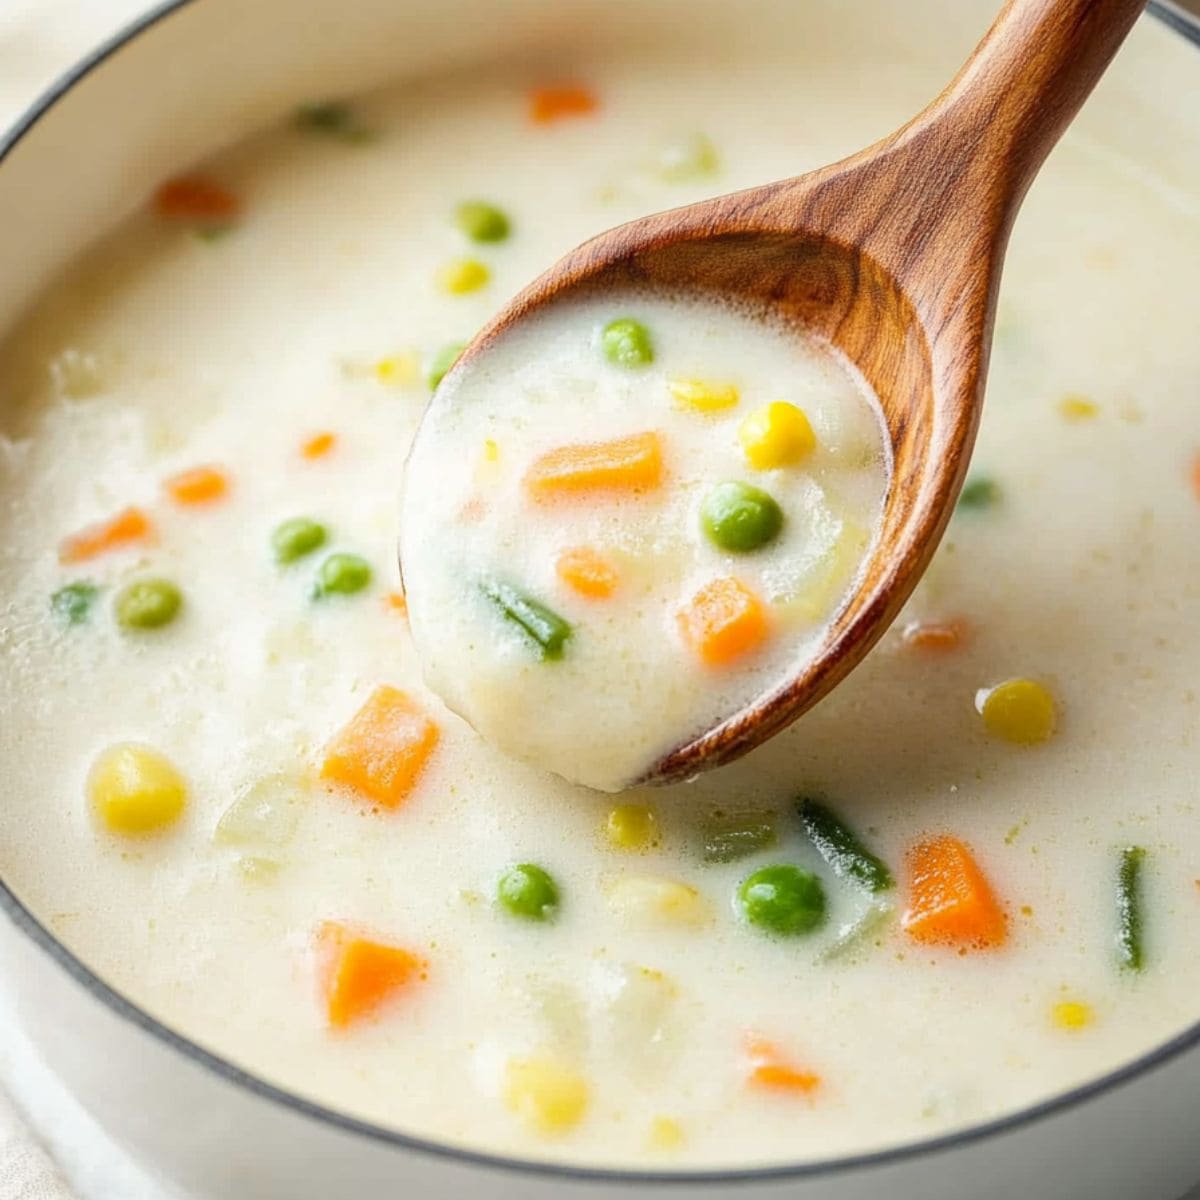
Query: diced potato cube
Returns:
{"type": "Point", "coordinates": [658, 901]}
{"type": "Point", "coordinates": [549, 1097]}
{"type": "Point", "coordinates": [264, 815]}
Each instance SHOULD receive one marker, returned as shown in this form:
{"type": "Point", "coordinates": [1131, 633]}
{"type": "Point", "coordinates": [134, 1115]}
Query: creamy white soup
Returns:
{"type": "Point", "coordinates": [966, 881]}
{"type": "Point", "coordinates": [617, 533]}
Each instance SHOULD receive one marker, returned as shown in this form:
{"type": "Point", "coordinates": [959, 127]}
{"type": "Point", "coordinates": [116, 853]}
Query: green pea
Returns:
{"type": "Point", "coordinates": [342, 575]}
{"type": "Point", "coordinates": [73, 602]}
{"type": "Point", "coordinates": [978, 493]}
{"type": "Point", "coordinates": [782, 899]}
{"type": "Point", "coordinates": [481, 221]}
{"type": "Point", "coordinates": [147, 604]}
{"type": "Point", "coordinates": [528, 891]}
{"type": "Point", "coordinates": [333, 120]}
{"type": "Point", "coordinates": [626, 343]}
{"type": "Point", "coordinates": [739, 517]}
{"type": "Point", "coordinates": [294, 539]}
{"type": "Point", "coordinates": [442, 361]}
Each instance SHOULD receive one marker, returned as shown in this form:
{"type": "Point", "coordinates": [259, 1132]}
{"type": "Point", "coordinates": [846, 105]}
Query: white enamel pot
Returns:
{"type": "Point", "coordinates": [198, 73]}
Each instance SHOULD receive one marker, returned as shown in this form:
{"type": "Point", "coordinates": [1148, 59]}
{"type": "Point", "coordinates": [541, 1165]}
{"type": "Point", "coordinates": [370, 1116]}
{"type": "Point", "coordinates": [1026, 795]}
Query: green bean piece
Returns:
{"type": "Point", "coordinates": [728, 838]}
{"type": "Point", "coordinates": [979, 493]}
{"type": "Point", "coordinates": [342, 575]}
{"type": "Point", "coordinates": [1130, 943]}
{"type": "Point", "coordinates": [147, 604]}
{"type": "Point", "coordinates": [626, 343]}
{"type": "Point", "coordinates": [854, 935]}
{"type": "Point", "coordinates": [841, 847]}
{"type": "Point", "coordinates": [528, 891]}
{"type": "Point", "coordinates": [740, 518]}
{"type": "Point", "coordinates": [331, 119]}
{"type": "Point", "coordinates": [442, 361]}
{"type": "Point", "coordinates": [783, 900]}
{"type": "Point", "coordinates": [297, 537]}
{"type": "Point", "coordinates": [73, 603]}
{"type": "Point", "coordinates": [481, 221]}
{"type": "Point", "coordinates": [543, 627]}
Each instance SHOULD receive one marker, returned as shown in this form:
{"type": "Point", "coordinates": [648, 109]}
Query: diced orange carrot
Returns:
{"type": "Point", "coordinates": [724, 621]}
{"type": "Point", "coordinates": [396, 602]}
{"type": "Point", "coordinates": [200, 485]}
{"type": "Point", "coordinates": [127, 527]}
{"type": "Point", "coordinates": [382, 752]}
{"type": "Point", "coordinates": [935, 635]}
{"type": "Point", "coordinates": [771, 1070]}
{"type": "Point", "coordinates": [318, 445]}
{"type": "Point", "coordinates": [1196, 474]}
{"type": "Point", "coordinates": [358, 975]}
{"type": "Point", "coordinates": [950, 899]}
{"type": "Point", "coordinates": [587, 571]}
{"type": "Point", "coordinates": [548, 104]}
{"type": "Point", "coordinates": [625, 464]}
{"type": "Point", "coordinates": [194, 198]}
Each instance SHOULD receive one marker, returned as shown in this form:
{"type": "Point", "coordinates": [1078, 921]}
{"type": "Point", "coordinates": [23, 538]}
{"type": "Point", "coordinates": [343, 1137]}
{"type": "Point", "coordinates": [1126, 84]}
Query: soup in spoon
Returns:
{"type": "Point", "coordinates": [628, 519]}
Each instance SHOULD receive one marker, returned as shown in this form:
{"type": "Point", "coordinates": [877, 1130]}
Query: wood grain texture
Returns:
{"type": "Point", "coordinates": [894, 255]}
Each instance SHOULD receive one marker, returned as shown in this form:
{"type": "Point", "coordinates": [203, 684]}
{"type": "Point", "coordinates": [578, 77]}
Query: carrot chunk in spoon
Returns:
{"type": "Point", "coordinates": [724, 621]}
{"type": "Point", "coordinates": [625, 464]}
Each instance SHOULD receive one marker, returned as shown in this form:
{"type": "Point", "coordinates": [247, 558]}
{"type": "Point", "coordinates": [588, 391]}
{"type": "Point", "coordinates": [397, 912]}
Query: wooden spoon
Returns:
{"type": "Point", "coordinates": [894, 255]}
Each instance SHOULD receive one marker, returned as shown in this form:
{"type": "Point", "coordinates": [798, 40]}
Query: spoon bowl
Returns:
{"type": "Point", "coordinates": [893, 256]}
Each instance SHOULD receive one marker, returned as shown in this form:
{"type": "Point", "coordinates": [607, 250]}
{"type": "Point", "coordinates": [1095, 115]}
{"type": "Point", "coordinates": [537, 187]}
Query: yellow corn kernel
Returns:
{"type": "Point", "coordinates": [701, 396]}
{"type": "Point", "coordinates": [463, 275]}
{"type": "Point", "coordinates": [1078, 408]}
{"type": "Point", "coordinates": [547, 1096]}
{"type": "Point", "coordinates": [776, 435]}
{"type": "Point", "coordinates": [399, 370]}
{"type": "Point", "coordinates": [655, 900]}
{"type": "Point", "coordinates": [665, 1134]}
{"type": "Point", "coordinates": [134, 789]}
{"type": "Point", "coordinates": [1072, 1014]}
{"type": "Point", "coordinates": [491, 450]}
{"type": "Point", "coordinates": [1018, 710]}
{"type": "Point", "coordinates": [632, 827]}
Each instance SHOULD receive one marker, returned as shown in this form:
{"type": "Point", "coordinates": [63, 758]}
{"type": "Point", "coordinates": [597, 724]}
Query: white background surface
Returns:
{"type": "Point", "coordinates": [38, 39]}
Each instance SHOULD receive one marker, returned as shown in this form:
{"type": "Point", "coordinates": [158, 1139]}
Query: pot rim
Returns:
{"type": "Point", "coordinates": [1177, 20]}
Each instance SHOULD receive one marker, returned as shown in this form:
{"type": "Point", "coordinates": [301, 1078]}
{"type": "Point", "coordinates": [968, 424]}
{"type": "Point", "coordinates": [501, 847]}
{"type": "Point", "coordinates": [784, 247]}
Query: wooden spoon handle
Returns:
{"type": "Point", "coordinates": [1022, 87]}
{"type": "Point", "coordinates": [935, 201]}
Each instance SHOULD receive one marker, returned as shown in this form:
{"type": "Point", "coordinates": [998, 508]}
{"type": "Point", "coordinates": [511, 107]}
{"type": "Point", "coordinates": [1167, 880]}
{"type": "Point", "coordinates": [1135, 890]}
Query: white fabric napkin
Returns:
{"type": "Point", "coordinates": [26, 1172]}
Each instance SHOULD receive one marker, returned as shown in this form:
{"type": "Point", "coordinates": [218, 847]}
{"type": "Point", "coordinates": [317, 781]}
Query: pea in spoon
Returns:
{"type": "Point", "coordinates": [893, 255]}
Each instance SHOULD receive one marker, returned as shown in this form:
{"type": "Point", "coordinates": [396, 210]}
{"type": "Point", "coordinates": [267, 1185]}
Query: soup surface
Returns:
{"type": "Point", "coordinates": [963, 883]}
{"type": "Point", "coordinates": [616, 533]}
